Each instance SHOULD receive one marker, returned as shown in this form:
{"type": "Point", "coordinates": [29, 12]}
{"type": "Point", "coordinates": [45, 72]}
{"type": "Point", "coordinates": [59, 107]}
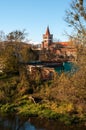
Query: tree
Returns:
{"type": "Point", "coordinates": [11, 61]}
{"type": "Point", "coordinates": [17, 35]}
{"type": "Point", "coordinates": [76, 18]}
{"type": "Point", "coordinates": [2, 36]}
{"type": "Point", "coordinates": [28, 54]}
{"type": "Point", "coordinates": [8, 89]}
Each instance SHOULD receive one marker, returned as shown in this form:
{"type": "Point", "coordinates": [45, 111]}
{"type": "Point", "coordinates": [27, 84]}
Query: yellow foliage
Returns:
{"type": "Point", "coordinates": [65, 108]}
{"type": "Point", "coordinates": [80, 109]}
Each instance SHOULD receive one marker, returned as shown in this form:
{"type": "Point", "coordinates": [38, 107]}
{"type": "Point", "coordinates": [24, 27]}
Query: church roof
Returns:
{"type": "Point", "coordinates": [47, 32]}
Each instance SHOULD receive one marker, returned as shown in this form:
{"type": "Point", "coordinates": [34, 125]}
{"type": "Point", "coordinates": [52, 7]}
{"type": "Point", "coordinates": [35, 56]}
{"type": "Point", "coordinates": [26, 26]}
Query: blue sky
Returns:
{"type": "Point", "coordinates": [34, 16]}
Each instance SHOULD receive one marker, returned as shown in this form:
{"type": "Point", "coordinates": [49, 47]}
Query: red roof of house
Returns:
{"type": "Point", "coordinates": [64, 43]}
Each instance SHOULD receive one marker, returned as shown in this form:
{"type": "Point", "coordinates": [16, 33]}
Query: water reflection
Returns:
{"type": "Point", "coordinates": [53, 125]}
{"type": "Point", "coordinates": [15, 123]}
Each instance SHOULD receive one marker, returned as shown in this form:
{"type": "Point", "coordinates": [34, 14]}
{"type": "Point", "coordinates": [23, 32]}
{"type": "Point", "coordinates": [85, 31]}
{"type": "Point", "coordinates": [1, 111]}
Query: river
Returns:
{"type": "Point", "coordinates": [67, 67]}
{"type": "Point", "coordinates": [35, 123]}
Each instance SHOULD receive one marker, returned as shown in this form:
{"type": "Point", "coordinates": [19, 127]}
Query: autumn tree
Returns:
{"type": "Point", "coordinates": [28, 54]}
{"type": "Point", "coordinates": [10, 60]}
{"type": "Point", "coordinates": [76, 18]}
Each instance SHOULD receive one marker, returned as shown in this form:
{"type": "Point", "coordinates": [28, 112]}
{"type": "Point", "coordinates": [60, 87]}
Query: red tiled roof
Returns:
{"type": "Point", "coordinates": [64, 43]}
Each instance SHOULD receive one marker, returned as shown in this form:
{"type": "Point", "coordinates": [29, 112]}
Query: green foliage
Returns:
{"type": "Point", "coordinates": [28, 55]}
{"type": "Point", "coordinates": [8, 89]}
{"type": "Point", "coordinates": [2, 76]}
{"type": "Point", "coordinates": [10, 60]}
{"type": "Point", "coordinates": [7, 108]}
{"type": "Point", "coordinates": [47, 113]}
{"type": "Point", "coordinates": [65, 118]}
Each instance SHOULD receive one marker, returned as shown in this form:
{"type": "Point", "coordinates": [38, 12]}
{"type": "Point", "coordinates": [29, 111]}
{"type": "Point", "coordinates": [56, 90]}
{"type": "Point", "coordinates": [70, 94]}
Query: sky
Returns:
{"type": "Point", "coordinates": [35, 16]}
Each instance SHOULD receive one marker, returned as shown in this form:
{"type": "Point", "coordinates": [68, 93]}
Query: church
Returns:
{"type": "Point", "coordinates": [48, 43]}
{"type": "Point", "coordinates": [47, 39]}
{"type": "Point", "coordinates": [58, 48]}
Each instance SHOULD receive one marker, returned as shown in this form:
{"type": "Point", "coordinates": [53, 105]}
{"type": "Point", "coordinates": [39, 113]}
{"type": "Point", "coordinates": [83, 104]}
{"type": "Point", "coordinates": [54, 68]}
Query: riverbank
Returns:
{"type": "Point", "coordinates": [25, 107]}
{"type": "Point", "coordinates": [62, 98]}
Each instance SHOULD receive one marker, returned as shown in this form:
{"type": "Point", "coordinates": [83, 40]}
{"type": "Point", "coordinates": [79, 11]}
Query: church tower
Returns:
{"type": "Point", "coordinates": [47, 39]}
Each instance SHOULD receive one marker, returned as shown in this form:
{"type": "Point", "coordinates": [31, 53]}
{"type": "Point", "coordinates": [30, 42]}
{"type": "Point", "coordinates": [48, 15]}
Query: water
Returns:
{"type": "Point", "coordinates": [67, 67]}
{"type": "Point", "coordinates": [35, 124]}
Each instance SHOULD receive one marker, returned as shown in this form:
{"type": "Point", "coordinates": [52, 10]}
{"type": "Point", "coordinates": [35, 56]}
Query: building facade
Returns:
{"type": "Point", "coordinates": [47, 39]}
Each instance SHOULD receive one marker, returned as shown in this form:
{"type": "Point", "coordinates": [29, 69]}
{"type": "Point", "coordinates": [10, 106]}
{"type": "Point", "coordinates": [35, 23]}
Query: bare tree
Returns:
{"type": "Point", "coordinates": [76, 18]}
{"type": "Point", "coordinates": [17, 35]}
{"type": "Point", "coordinates": [2, 36]}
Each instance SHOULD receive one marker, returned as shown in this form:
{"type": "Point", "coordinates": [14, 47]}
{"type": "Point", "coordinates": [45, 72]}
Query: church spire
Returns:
{"type": "Point", "coordinates": [47, 39]}
{"type": "Point", "coordinates": [47, 31]}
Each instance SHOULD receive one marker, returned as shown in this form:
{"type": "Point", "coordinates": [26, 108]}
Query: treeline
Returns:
{"type": "Point", "coordinates": [12, 54]}
{"type": "Point", "coordinates": [16, 35]}
{"type": "Point", "coordinates": [25, 93]}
